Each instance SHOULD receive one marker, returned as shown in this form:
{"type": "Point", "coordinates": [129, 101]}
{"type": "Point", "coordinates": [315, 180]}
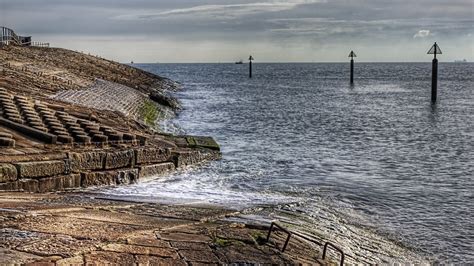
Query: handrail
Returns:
{"type": "Point", "coordinates": [305, 238]}
{"type": "Point", "coordinates": [7, 35]}
{"type": "Point", "coordinates": [336, 248]}
{"type": "Point", "coordinates": [284, 230]}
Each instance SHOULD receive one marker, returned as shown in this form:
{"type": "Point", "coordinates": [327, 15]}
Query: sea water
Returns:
{"type": "Point", "coordinates": [377, 153]}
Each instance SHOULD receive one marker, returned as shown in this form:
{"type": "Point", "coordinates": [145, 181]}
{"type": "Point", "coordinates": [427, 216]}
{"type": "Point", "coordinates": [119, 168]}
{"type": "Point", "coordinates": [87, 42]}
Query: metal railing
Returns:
{"type": "Point", "coordinates": [336, 248]}
{"type": "Point", "coordinates": [8, 36]}
{"type": "Point", "coordinates": [289, 233]}
{"type": "Point", "coordinates": [40, 44]}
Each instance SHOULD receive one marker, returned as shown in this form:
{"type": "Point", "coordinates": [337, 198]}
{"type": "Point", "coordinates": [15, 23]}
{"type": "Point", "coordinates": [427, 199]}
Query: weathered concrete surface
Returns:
{"type": "Point", "coordinates": [156, 170]}
{"type": "Point", "coordinates": [119, 159]}
{"type": "Point", "coordinates": [8, 173]}
{"type": "Point", "coordinates": [58, 183]}
{"type": "Point", "coordinates": [93, 160]}
{"type": "Point", "coordinates": [40, 169]}
{"type": "Point", "coordinates": [186, 158]}
{"type": "Point", "coordinates": [152, 155]}
{"type": "Point", "coordinates": [78, 229]}
{"type": "Point", "coordinates": [112, 177]}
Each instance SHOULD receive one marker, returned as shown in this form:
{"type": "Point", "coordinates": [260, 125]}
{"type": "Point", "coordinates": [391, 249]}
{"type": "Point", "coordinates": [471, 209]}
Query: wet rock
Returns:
{"type": "Point", "coordinates": [8, 173]}
{"type": "Point", "coordinates": [165, 100]}
{"type": "Point", "coordinates": [119, 159]}
{"type": "Point", "coordinates": [114, 177]}
{"type": "Point", "coordinates": [156, 169]}
{"type": "Point", "coordinates": [203, 142]}
{"type": "Point", "coordinates": [40, 169]}
{"type": "Point", "coordinates": [152, 155]}
{"type": "Point", "coordinates": [185, 158]}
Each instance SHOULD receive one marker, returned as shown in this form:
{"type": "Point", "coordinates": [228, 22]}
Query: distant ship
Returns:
{"type": "Point", "coordinates": [240, 62]}
{"type": "Point", "coordinates": [460, 61]}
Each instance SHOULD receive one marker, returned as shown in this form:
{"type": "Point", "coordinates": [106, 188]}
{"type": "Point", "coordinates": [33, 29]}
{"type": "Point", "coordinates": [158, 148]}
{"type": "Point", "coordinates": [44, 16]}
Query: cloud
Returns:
{"type": "Point", "coordinates": [422, 34]}
{"type": "Point", "coordinates": [224, 10]}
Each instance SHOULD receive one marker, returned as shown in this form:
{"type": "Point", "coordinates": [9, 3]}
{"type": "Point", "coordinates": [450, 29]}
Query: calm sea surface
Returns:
{"type": "Point", "coordinates": [377, 151]}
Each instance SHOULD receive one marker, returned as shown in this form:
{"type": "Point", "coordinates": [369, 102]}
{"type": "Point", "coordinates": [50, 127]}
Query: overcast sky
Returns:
{"type": "Point", "coordinates": [271, 30]}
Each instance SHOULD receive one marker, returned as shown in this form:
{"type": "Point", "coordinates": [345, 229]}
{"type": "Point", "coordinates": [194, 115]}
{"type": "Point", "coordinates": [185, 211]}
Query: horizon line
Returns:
{"type": "Point", "coordinates": [300, 62]}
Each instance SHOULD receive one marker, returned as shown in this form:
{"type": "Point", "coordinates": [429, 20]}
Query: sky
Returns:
{"type": "Point", "coordinates": [271, 30]}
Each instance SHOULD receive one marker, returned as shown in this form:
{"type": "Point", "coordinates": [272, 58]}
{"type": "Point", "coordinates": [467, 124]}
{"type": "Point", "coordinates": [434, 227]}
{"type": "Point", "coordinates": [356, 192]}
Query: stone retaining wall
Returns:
{"type": "Point", "coordinates": [97, 168]}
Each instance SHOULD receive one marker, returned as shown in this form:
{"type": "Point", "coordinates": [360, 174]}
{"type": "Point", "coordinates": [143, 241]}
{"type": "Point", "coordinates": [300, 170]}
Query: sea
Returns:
{"type": "Point", "coordinates": [375, 158]}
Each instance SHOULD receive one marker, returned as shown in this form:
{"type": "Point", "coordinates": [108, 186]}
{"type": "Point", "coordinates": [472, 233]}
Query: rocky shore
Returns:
{"type": "Point", "coordinates": [70, 121]}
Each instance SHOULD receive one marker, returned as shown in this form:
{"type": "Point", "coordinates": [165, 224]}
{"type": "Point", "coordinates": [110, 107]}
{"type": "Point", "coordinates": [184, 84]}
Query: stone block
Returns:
{"type": "Point", "coordinates": [93, 160]}
{"type": "Point", "coordinates": [203, 142]}
{"type": "Point", "coordinates": [152, 155]}
{"type": "Point", "coordinates": [50, 184]}
{"type": "Point", "coordinates": [29, 185]}
{"type": "Point", "coordinates": [72, 181]}
{"type": "Point", "coordinates": [156, 169]}
{"type": "Point", "coordinates": [185, 158]}
{"type": "Point", "coordinates": [114, 177]}
{"type": "Point", "coordinates": [119, 159]}
{"type": "Point", "coordinates": [41, 169]}
{"type": "Point", "coordinates": [10, 186]}
{"type": "Point", "coordinates": [8, 173]}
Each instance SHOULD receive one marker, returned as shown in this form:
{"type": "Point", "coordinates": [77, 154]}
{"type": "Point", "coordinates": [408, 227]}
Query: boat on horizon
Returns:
{"type": "Point", "coordinates": [460, 61]}
{"type": "Point", "coordinates": [240, 62]}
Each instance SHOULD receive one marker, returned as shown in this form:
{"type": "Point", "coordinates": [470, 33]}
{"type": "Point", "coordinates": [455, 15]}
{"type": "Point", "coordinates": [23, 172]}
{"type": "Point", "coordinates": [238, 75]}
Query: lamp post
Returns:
{"type": "Point", "coordinates": [434, 78]}
{"type": "Point", "coordinates": [352, 55]}
{"type": "Point", "coordinates": [250, 66]}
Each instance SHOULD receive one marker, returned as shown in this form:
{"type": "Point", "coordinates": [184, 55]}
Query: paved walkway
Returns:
{"type": "Point", "coordinates": [65, 229]}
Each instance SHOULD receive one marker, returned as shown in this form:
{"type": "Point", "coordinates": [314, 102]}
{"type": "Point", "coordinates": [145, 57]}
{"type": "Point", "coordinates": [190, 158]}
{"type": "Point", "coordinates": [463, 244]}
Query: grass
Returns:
{"type": "Point", "coordinates": [259, 238]}
{"type": "Point", "coordinates": [149, 113]}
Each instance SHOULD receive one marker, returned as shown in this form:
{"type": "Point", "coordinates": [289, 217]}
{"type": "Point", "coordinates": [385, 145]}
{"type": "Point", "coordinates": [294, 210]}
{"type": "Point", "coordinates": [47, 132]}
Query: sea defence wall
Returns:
{"type": "Point", "coordinates": [96, 167]}
{"type": "Point", "coordinates": [46, 148]}
{"type": "Point", "coordinates": [70, 120]}
{"type": "Point", "coordinates": [106, 95]}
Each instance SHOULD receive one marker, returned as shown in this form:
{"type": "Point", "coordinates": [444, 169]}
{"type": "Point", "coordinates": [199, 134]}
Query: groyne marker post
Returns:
{"type": "Point", "coordinates": [352, 55]}
{"type": "Point", "coordinates": [434, 77]}
{"type": "Point", "coordinates": [250, 66]}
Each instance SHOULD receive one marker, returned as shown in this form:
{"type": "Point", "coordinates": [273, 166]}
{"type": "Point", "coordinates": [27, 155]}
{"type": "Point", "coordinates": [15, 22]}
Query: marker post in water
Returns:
{"type": "Point", "coordinates": [352, 55]}
{"type": "Point", "coordinates": [434, 78]}
{"type": "Point", "coordinates": [250, 66]}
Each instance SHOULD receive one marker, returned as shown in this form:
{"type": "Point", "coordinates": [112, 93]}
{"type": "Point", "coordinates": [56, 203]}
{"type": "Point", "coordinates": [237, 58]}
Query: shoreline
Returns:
{"type": "Point", "coordinates": [33, 214]}
{"type": "Point", "coordinates": [70, 227]}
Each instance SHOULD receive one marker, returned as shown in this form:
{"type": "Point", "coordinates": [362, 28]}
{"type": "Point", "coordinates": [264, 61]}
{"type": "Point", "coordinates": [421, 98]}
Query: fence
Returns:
{"type": "Point", "coordinates": [8, 36]}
